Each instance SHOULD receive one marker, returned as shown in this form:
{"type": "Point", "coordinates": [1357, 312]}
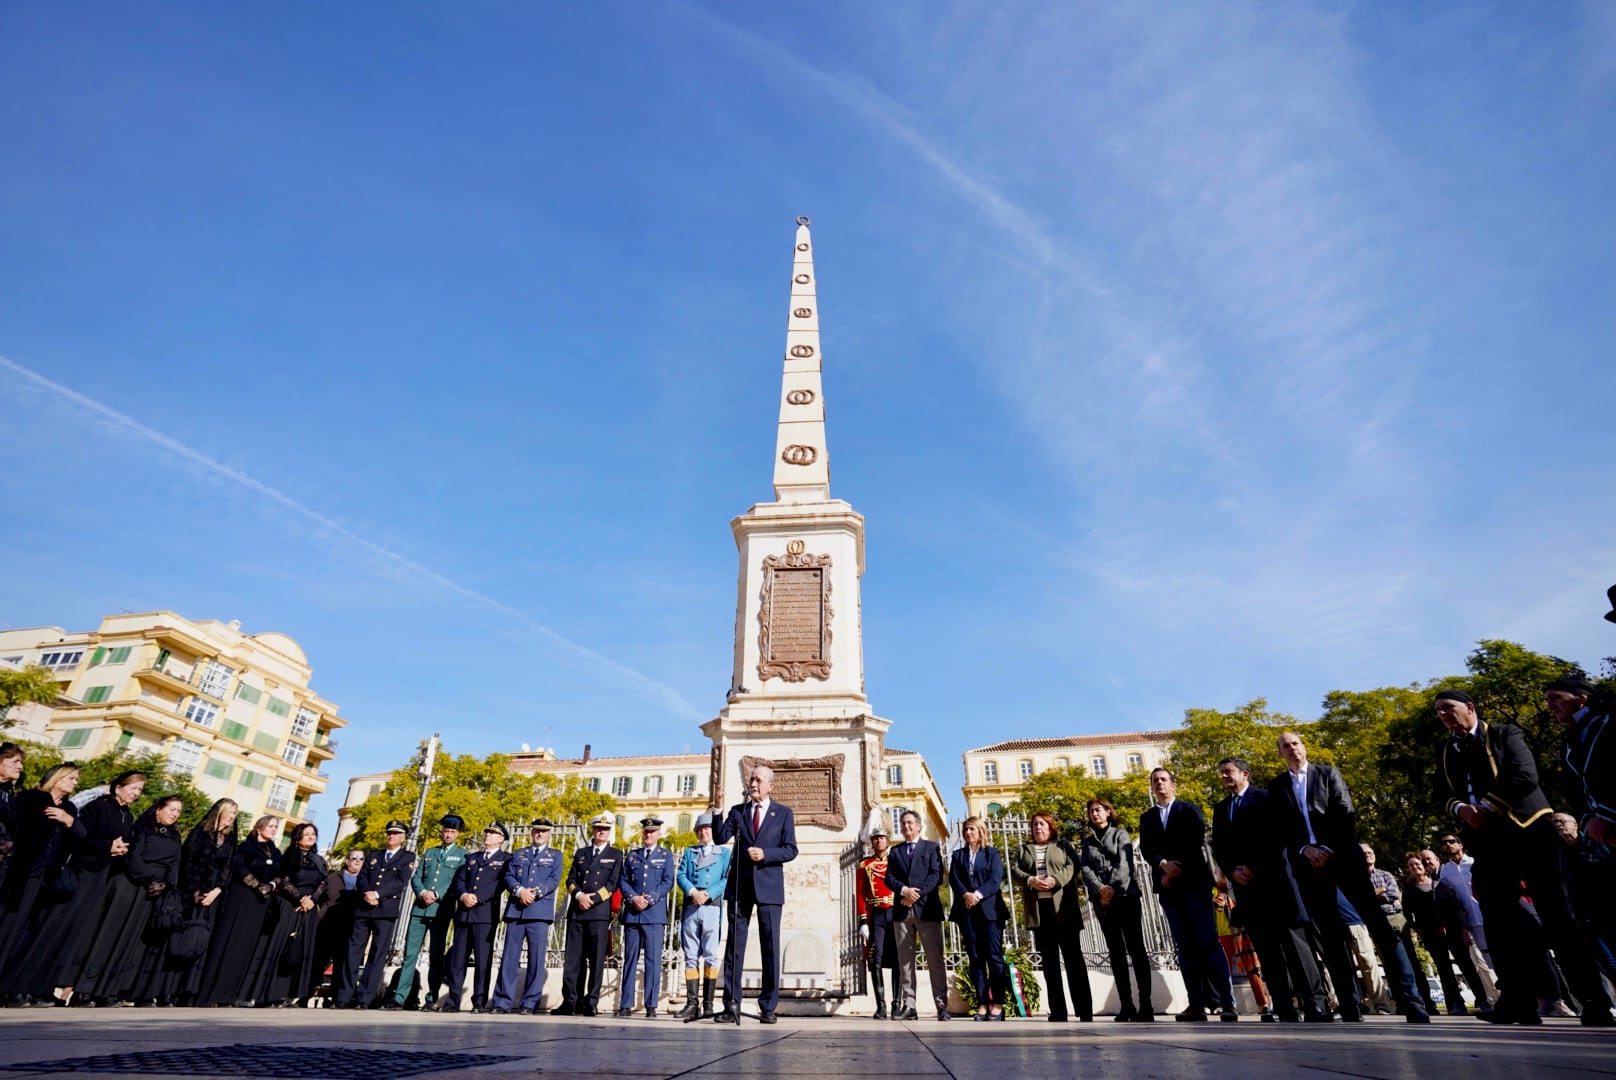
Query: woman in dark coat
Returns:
{"type": "Point", "coordinates": [119, 948]}
{"type": "Point", "coordinates": [1114, 892]}
{"type": "Point", "coordinates": [11, 757]}
{"type": "Point", "coordinates": [239, 949]}
{"type": "Point", "coordinates": [336, 925]}
{"type": "Point", "coordinates": [302, 900]}
{"type": "Point", "coordinates": [205, 860]}
{"type": "Point", "coordinates": [57, 953]}
{"type": "Point", "coordinates": [47, 821]}
{"type": "Point", "coordinates": [975, 881]}
{"type": "Point", "coordinates": [1047, 873]}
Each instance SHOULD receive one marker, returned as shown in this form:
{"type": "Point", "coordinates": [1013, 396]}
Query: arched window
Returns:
{"type": "Point", "coordinates": [1025, 767]}
{"type": "Point", "coordinates": [994, 809]}
{"type": "Point", "coordinates": [1136, 762]}
{"type": "Point", "coordinates": [897, 821]}
{"type": "Point", "coordinates": [1063, 763]}
{"type": "Point", "coordinates": [1097, 766]}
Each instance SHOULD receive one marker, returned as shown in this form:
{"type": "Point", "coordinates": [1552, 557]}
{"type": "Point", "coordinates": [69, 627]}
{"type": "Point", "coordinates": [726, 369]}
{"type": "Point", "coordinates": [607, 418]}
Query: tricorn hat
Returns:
{"type": "Point", "coordinates": [497, 827]}
{"type": "Point", "coordinates": [452, 821]}
{"type": "Point", "coordinates": [398, 826]}
{"type": "Point", "coordinates": [1610, 616]}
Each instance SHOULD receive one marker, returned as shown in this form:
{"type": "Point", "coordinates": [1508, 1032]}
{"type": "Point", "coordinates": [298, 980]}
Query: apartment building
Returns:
{"type": "Point", "coordinates": [233, 710]}
{"type": "Point", "coordinates": [994, 773]}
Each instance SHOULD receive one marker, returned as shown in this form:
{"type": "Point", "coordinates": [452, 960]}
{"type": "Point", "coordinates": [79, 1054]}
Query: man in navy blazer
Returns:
{"type": "Point", "coordinates": [914, 871]}
{"type": "Point", "coordinates": [1172, 838]}
{"type": "Point", "coordinates": [767, 833]}
{"type": "Point", "coordinates": [1319, 829]}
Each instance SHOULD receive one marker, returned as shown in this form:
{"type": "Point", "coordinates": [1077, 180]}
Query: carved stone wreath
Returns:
{"type": "Point", "coordinates": [794, 670]}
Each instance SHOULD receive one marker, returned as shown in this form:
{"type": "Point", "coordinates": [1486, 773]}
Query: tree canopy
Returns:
{"type": "Point", "coordinates": [1065, 793]}
{"type": "Point", "coordinates": [480, 790]}
{"type": "Point", "coordinates": [32, 683]}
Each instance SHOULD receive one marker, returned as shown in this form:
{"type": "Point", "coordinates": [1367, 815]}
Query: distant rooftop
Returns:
{"type": "Point", "coordinates": [1077, 741]}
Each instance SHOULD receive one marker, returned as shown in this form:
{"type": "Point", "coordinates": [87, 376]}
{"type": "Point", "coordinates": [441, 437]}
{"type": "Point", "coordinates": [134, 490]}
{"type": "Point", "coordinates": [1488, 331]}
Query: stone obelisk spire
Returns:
{"type": "Point", "coordinates": [801, 458]}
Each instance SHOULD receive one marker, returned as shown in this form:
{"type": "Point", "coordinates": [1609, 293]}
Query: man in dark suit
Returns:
{"type": "Point", "coordinates": [1319, 830]}
{"type": "Point", "coordinates": [1172, 839]}
{"type": "Point", "coordinates": [597, 867]}
{"type": "Point", "coordinates": [1247, 850]}
{"type": "Point", "coordinates": [914, 872]}
{"type": "Point", "coordinates": [1488, 779]}
{"type": "Point", "coordinates": [1590, 753]}
{"type": "Point", "coordinates": [474, 892]}
{"type": "Point", "coordinates": [767, 834]}
{"type": "Point", "coordinates": [380, 885]}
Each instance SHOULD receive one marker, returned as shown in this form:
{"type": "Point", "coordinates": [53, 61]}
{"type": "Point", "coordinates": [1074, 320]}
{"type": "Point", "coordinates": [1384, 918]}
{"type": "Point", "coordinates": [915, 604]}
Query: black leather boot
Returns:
{"type": "Point", "coordinates": [880, 997]}
{"type": "Point", "coordinates": [692, 1002]}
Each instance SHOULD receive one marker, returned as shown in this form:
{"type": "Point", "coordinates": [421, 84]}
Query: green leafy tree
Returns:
{"type": "Point", "coordinates": [1208, 736]}
{"type": "Point", "coordinates": [1065, 793]}
{"type": "Point", "coordinates": [99, 770]}
{"type": "Point", "coordinates": [479, 790]}
{"type": "Point", "coordinates": [1360, 732]}
{"type": "Point", "coordinates": [32, 683]}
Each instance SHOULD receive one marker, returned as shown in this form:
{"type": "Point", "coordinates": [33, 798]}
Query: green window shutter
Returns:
{"type": "Point", "coordinates": [98, 656]}
{"type": "Point", "coordinates": [120, 654]}
{"type": "Point", "coordinates": [251, 695]}
{"type": "Point", "coordinates": [266, 742]}
{"type": "Point", "coordinates": [233, 730]}
{"type": "Point", "coordinates": [297, 806]}
{"type": "Point", "coordinates": [125, 739]}
{"type": "Point", "coordinates": [74, 739]}
{"type": "Point", "coordinates": [279, 707]}
{"type": "Point", "coordinates": [251, 780]}
{"type": "Point", "coordinates": [95, 695]}
{"type": "Point", "coordinates": [219, 770]}
{"type": "Point", "coordinates": [162, 658]}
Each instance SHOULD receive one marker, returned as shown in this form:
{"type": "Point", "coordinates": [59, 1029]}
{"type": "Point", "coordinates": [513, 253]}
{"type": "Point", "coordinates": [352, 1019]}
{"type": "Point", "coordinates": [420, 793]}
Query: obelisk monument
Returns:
{"type": "Point", "coordinates": [796, 700]}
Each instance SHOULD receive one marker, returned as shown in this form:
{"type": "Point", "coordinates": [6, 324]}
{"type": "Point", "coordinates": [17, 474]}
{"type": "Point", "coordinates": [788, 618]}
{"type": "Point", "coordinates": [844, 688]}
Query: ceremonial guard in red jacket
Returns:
{"type": "Point", "coordinates": [875, 899]}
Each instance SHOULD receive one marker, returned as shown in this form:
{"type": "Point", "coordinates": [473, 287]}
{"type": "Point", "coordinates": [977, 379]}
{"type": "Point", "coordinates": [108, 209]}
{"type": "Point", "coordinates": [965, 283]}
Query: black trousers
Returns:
{"type": "Point", "coordinates": [1121, 921]}
{"type": "Point", "coordinates": [1318, 888]}
{"type": "Point", "coordinates": [1057, 944]}
{"type": "Point", "coordinates": [1288, 966]}
{"type": "Point", "coordinates": [365, 975]}
{"type": "Point", "coordinates": [1505, 857]}
{"type": "Point", "coordinates": [586, 953]}
{"type": "Point", "coordinates": [740, 923]}
{"type": "Point", "coordinates": [475, 940]}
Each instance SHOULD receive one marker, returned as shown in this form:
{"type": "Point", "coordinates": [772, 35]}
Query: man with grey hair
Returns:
{"type": "Point", "coordinates": [766, 833]}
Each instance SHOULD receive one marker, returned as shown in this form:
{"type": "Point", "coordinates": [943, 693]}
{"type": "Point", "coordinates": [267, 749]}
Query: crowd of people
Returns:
{"type": "Point", "coordinates": [99, 907]}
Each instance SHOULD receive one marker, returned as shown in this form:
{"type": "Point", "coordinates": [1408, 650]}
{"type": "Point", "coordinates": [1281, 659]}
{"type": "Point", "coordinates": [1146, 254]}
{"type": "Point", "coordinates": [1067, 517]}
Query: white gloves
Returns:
{"type": "Point", "coordinates": [864, 934]}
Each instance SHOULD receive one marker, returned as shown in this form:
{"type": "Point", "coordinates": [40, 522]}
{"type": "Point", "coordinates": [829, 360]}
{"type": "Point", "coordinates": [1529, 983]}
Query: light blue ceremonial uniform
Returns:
{"type": "Point", "coordinates": [704, 867]}
{"type": "Point", "coordinates": [647, 871]}
{"type": "Point", "coordinates": [539, 869]}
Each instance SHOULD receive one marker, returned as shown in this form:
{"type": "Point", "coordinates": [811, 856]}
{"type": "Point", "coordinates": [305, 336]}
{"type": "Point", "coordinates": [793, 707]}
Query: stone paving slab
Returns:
{"type": "Point", "coordinates": [1382, 1049]}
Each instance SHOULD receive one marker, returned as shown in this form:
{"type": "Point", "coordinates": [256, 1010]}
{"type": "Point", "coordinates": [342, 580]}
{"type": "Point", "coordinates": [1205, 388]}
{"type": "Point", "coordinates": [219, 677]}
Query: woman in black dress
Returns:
{"type": "Point", "coordinates": [302, 900]}
{"type": "Point", "coordinates": [239, 949]}
{"type": "Point", "coordinates": [1113, 889]}
{"type": "Point", "coordinates": [11, 757]}
{"type": "Point", "coordinates": [119, 948]}
{"type": "Point", "coordinates": [47, 821]}
{"type": "Point", "coordinates": [58, 951]}
{"type": "Point", "coordinates": [205, 860]}
{"type": "Point", "coordinates": [336, 925]}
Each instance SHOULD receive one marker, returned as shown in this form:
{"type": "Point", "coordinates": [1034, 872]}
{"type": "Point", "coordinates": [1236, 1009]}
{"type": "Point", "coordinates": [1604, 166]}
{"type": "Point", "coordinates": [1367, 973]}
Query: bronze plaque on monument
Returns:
{"type": "Point", "coordinates": [794, 617]}
{"type": "Point", "coordinates": [812, 787]}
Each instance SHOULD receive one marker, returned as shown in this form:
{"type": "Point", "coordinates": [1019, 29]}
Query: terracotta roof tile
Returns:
{"type": "Point", "coordinates": [1123, 738]}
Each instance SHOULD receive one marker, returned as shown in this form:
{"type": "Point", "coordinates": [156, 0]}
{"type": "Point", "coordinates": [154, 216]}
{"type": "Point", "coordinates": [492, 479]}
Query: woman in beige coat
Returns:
{"type": "Point", "coordinates": [1048, 876]}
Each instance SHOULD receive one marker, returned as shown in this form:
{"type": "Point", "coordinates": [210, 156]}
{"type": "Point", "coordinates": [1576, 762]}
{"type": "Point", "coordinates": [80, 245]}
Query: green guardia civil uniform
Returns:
{"type": "Point", "coordinates": [429, 923]}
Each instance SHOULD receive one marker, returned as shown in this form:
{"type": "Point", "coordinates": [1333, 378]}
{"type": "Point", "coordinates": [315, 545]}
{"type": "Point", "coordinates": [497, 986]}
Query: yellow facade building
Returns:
{"type": "Point", "coordinates": [994, 773]}
{"type": "Point", "coordinates": [232, 710]}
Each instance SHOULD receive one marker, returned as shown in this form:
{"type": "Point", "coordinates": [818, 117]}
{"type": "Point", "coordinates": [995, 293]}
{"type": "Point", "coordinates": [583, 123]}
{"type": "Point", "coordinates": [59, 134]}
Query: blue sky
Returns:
{"type": "Point", "coordinates": [1176, 355]}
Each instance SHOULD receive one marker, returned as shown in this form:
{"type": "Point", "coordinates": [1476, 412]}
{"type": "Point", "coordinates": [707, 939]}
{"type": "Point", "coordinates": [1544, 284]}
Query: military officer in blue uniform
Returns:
{"type": "Point", "coordinates": [597, 867]}
{"type": "Point", "coordinates": [647, 881]}
{"type": "Point", "coordinates": [475, 894]}
{"type": "Point", "coordinates": [381, 886]}
{"type": "Point", "coordinates": [702, 877]}
{"type": "Point", "coordinates": [429, 917]}
{"type": "Point", "coordinates": [531, 878]}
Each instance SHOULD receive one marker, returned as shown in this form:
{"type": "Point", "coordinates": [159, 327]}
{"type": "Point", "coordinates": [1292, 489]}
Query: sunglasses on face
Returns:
{"type": "Point", "coordinates": [1449, 841]}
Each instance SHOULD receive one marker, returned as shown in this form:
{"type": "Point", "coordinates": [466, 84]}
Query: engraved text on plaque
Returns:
{"type": "Point", "coordinates": [794, 618]}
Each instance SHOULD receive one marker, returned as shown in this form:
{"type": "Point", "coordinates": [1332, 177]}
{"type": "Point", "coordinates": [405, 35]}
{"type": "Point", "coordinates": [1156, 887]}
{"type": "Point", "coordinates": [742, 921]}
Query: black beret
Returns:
{"type": "Point", "coordinates": [1571, 684]}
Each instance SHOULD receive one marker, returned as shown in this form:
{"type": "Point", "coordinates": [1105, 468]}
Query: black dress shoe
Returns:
{"type": "Point", "coordinates": [880, 1013]}
{"type": "Point", "coordinates": [586, 1010]}
{"type": "Point", "coordinates": [727, 1017]}
{"type": "Point", "coordinates": [391, 1006]}
{"type": "Point", "coordinates": [1191, 1015]}
{"type": "Point", "coordinates": [497, 1012]}
{"type": "Point", "coordinates": [768, 1018]}
{"type": "Point", "coordinates": [624, 1014]}
{"type": "Point", "coordinates": [996, 1016]}
{"type": "Point", "coordinates": [1054, 1018]}
{"type": "Point", "coordinates": [906, 1014]}
{"type": "Point", "coordinates": [1228, 1016]}
{"type": "Point", "coordinates": [942, 1014]}
{"type": "Point", "coordinates": [563, 1010]}
{"type": "Point", "coordinates": [650, 1014]}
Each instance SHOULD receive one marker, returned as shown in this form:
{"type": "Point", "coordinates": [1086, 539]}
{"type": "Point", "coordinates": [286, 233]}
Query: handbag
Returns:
{"type": "Point", "coordinates": [190, 941]}
{"type": "Point", "coordinates": [64, 883]}
{"type": "Point", "coordinates": [167, 913]}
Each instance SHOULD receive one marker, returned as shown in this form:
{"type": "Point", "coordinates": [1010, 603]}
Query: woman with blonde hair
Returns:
{"type": "Point", "coordinates": [244, 933]}
{"type": "Point", "coordinates": [975, 878]}
{"type": "Point", "coordinates": [1048, 872]}
{"type": "Point", "coordinates": [47, 827]}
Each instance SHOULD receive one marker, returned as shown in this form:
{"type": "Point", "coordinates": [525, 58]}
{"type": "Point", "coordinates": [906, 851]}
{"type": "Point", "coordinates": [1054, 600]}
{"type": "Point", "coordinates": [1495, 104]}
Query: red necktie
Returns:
{"type": "Point", "coordinates": [757, 818]}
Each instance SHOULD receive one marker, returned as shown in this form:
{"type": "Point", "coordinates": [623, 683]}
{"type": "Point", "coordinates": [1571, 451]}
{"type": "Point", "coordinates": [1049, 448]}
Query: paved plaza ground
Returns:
{"type": "Point", "coordinates": [342, 1045]}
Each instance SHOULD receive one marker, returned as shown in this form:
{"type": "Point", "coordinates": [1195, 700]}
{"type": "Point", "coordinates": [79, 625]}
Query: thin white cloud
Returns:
{"type": "Point", "coordinates": [386, 559]}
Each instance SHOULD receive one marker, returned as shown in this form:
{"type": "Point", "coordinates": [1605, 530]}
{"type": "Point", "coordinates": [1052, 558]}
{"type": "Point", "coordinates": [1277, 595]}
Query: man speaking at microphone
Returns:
{"type": "Point", "coordinates": [768, 840]}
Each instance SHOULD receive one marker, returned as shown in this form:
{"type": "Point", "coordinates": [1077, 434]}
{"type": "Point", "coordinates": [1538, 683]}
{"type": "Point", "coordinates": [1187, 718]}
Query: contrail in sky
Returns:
{"type": "Point", "coordinates": [664, 695]}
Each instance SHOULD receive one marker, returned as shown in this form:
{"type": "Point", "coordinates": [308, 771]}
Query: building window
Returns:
{"type": "Point", "coordinates": [621, 787]}
{"type": "Point", "coordinates": [375, 790]}
{"type": "Point", "coordinates": [294, 754]}
{"type": "Point", "coordinates": [994, 809]}
{"type": "Point", "coordinates": [653, 785]}
{"type": "Point", "coordinates": [990, 772]}
{"type": "Point", "coordinates": [72, 740]}
{"type": "Point", "coordinates": [1097, 767]}
{"type": "Point", "coordinates": [62, 658]}
{"type": "Point", "coordinates": [251, 781]}
{"type": "Point", "coordinates": [201, 712]}
{"type": "Point", "coordinates": [125, 739]}
{"type": "Point", "coordinates": [234, 730]}
{"type": "Point", "coordinates": [265, 741]}
{"type": "Point", "coordinates": [894, 776]}
{"type": "Point", "coordinates": [184, 756]}
{"type": "Point", "coordinates": [621, 831]}
{"type": "Point", "coordinates": [1026, 770]}
{"type": "Point", "coordinates": [104, 655]}
{"type": "Point", "coordinates": [592, 783]}
{"type": "Point", "coordinates": [279, 707]}
{"type": "Point", "coordinates": [219, 770]}
{"type": "Point", "coordinates": [687, 784]}
{"type": "Point", "coordinates": [1063, 763]}
{"type": "Point", "coordinates": [280, 795]}
{"type": "Point", "coordinates": [95, 695]}
{"type": "Point", "coordinates": [303, 726]}
{"type": "Point", "coordinates": [250, 694]}
{"type": "Point", "coordinates": [215, 680]}
{"type": "Point", "coordinates": [1136, 762]}
{"type": "Point", "coordinates": [897, 821]}
{"type": "Point", "coordinates": [684, 822]}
